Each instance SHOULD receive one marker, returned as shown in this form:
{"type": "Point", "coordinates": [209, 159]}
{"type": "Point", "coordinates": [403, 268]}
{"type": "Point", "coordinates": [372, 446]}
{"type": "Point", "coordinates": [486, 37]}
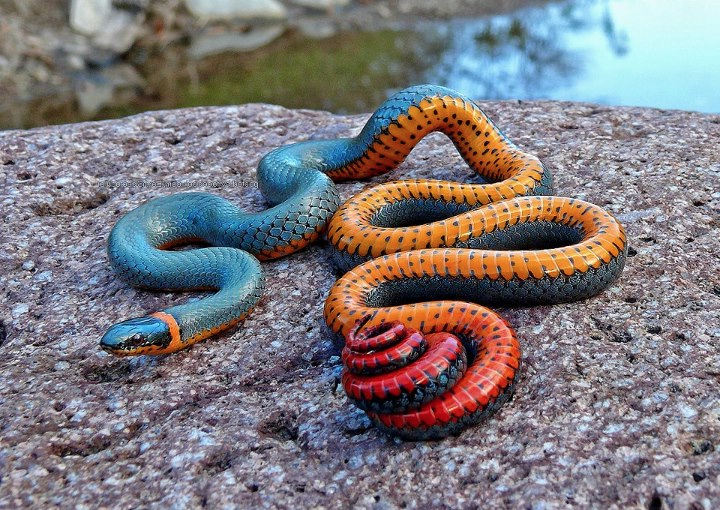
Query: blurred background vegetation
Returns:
{"type": "Point", "coordinates": [73, 60]}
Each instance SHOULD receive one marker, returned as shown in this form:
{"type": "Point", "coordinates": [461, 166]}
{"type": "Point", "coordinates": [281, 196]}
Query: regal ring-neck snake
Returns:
{"type": "Point", "coordinates": [422, 356]}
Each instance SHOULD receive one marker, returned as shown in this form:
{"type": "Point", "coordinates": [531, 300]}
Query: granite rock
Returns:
{"type": "Point", "coordinates": [108, 28]}
{"type": "Point", "coordinates": [205, 44]}
{"type": "Point", "coordinates": [618, 405]}
{"type": "Point", "coordinates": [321, 4]}
{"type": "Point", "coordinates": [120, 31]}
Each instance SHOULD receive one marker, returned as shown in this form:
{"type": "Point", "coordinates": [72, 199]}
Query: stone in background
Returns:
{"type": "Point", "coordinates": [237, 9]}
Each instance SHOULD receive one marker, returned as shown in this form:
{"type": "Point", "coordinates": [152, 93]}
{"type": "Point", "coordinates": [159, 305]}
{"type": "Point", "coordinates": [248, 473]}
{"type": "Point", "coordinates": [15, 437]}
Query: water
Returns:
{"type": "Point", "coordinates": [655, 53]}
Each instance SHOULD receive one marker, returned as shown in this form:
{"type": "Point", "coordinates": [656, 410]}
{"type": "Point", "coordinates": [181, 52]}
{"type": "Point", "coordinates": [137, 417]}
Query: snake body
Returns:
{"type": "Point", "coordinates": [422, 253]}
{"type": "Point", "coordinates": [296, 179]}
{"type": "Point", "coordinates": [422, 357]}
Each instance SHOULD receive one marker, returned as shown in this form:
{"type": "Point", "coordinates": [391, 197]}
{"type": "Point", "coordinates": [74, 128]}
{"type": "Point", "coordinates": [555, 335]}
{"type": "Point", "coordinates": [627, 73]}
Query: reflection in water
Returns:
{"type": "Point", "coordinates": [585, 50]}
{"type": "Point", "coordinates": [606, 51]}
{"type": "Point", "coordinates": [524, 55]}
{"type": "Point", "coordinates": [617, 38]}
{"type": "Point", "coordinates": [603, 51]}
{"type": "Point", "coordinates": [344, 74]}
{"type": "Point", "coordinates": [347, 73]}
{"type": "Point", "coordinates": [504, 57]}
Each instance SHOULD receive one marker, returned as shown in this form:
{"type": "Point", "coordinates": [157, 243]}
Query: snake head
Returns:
{"type": "Point", "coordinates": [142, 335]}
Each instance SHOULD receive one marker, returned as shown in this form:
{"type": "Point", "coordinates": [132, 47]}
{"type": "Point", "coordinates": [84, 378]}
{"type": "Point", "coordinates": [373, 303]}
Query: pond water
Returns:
{"type": "Point", "coordinates": [657, 53]}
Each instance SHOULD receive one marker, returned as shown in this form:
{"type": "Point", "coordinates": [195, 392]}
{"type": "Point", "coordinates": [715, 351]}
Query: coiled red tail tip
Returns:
{"type": "Point", "coordinates": [427, 386]}
{"type": "Point", "coordinates": [375, 337]}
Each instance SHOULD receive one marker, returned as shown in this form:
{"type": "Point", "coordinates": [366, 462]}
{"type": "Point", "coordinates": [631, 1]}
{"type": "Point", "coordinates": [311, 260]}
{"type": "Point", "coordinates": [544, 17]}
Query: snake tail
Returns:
{"type": "Point", "coordinates": [426, 386]}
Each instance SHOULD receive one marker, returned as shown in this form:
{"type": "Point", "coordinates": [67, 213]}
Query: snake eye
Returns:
{"type": "Point", "coordinates": [137, 339]}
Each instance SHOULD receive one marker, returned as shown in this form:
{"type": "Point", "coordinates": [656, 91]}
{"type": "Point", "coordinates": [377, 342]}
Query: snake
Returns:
{"type": "Point", "coordinates": [423, 357]}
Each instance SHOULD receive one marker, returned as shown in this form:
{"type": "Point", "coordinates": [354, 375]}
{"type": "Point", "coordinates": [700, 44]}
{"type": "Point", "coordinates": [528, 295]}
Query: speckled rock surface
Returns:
{"type": "Point", "coordinates": [618, 405]}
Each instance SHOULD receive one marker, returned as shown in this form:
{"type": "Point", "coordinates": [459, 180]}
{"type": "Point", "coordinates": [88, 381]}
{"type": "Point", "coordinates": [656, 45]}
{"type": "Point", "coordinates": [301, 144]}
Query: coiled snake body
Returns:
{"type": "Point", "coordinates": [422, 358]}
